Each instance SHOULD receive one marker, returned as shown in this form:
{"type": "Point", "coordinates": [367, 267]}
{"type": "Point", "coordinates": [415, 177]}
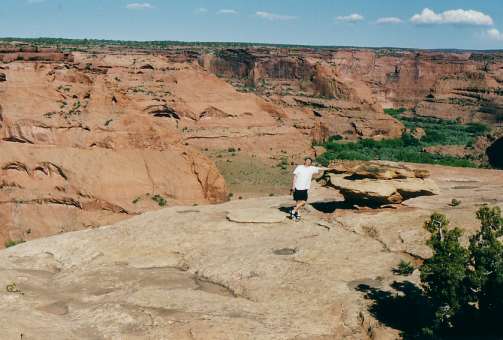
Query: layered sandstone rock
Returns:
{"type": "Point", "coordinates": [309, 86]}
{"type": "Point", "coordinates": [440, 84]}
{"type": "Point", "coordinates": [81, 148]}
{"type": "Point", "coordinates": [376, 184]}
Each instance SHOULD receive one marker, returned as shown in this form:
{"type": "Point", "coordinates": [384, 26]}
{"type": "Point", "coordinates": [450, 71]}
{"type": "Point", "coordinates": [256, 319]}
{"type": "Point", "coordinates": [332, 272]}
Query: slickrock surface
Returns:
{"type": "Point", "coordinates": [193, 273]}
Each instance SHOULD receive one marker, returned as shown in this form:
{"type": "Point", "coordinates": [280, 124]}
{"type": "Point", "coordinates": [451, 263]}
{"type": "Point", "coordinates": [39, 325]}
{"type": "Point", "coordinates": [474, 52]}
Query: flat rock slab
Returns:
{"type": "Point", "coordinates": [256, 215]}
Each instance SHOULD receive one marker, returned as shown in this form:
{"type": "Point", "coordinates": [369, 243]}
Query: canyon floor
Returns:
{"type": "Point", "coordinates": [237, 270]}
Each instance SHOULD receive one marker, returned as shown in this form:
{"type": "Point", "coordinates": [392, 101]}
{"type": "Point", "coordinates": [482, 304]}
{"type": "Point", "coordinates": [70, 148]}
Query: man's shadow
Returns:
{"type": "Point", "coordinates": [326, 207]}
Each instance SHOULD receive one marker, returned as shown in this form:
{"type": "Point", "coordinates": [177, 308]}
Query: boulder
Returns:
{"type": "Point", "coordinates": [376, 184]}
{"type": "Point", "coordinates": [494, 154]}
{"type": "Point", "coordinates": [3, 77]}
{"type": "Point", "coordinates": [383, 170]}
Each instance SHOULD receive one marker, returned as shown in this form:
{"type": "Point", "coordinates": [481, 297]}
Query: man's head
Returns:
{"type": "Point", "coordinates": [308, 161]}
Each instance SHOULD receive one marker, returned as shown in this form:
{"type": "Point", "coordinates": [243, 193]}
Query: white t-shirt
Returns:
{"type": "Point", "coordinates": [303, 175]}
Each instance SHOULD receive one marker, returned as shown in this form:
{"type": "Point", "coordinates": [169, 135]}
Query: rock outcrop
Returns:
{"type": "Point", "coordinates": [376, 184]}
{"type": "Point", "coordinates": [238, 270]}
{"type": "Point", "coordinates": [495, 153]}
{"type": "Point", "coordinates": [82, 148]}
{"type": "Point", "coordinates": [192, 273]}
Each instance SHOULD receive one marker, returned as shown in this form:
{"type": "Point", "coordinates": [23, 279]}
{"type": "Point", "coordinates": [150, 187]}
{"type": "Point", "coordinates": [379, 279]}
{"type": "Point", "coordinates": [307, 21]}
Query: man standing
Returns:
{"type": "Point", "coordinates": [302, 177]}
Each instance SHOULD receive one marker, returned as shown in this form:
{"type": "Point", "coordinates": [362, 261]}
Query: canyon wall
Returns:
{"type": "Point", "coordinates": [89, 138]}
{"type": "Point", "coordinates": [466, 85]}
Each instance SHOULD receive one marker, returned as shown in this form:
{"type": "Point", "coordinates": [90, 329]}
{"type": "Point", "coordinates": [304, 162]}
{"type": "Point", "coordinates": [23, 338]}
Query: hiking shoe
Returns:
{"type": "Point", "coordinates": [296, 216]}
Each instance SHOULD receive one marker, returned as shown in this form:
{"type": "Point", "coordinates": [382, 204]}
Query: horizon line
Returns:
{"type": "Point", "coordinates": [264, 44]}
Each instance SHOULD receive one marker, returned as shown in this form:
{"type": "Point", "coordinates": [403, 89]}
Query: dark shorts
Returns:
{"type": "Point", "coordinates": [300, 195]}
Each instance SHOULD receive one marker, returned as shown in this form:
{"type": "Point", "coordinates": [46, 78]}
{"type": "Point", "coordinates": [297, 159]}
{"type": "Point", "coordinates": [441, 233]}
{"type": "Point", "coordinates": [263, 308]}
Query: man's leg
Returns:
{"type": "Point", "coordinates": [298, 206]}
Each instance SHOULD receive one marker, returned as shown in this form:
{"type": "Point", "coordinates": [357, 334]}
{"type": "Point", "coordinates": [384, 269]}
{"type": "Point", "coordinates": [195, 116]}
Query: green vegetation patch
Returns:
{"type": "Point", "coordinates": [408, 148]}
{"type": "Point", "coordinates": [441, 131]}
{"type": "Point", "coordinates": [159, 200]}
{"type": "Point", "coordinates": [404, 149]}
{"type": "Point", "coordinates": [12, 243]}
{"type": "Point", "coordinates": [404, 268]}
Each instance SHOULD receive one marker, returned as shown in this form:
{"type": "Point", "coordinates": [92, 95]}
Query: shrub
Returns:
{"type": "Point", "coordinates": [409, 140]}
{"type": "Point", "coordinates": [160, 200]}
{"type": "Point", "coordinates": [404, 268]}
{"type": "Point", "coordinates": [477, 128]}
{"type": "Point", "coordinates": [283, 163]}
{"type": "Point", "coordinates": [335, 138]}
{"type": "Point", "coordinates": [12, 243]}
{"type": "Point", "coordinates": [465, 285]}
{"type": "Point", "coordinates": [455, 202]}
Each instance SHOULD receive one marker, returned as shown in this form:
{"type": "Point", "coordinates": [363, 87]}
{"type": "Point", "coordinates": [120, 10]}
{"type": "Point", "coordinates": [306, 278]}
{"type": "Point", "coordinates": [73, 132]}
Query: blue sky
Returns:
{"type": "Point", "coordinates": [469, 24]}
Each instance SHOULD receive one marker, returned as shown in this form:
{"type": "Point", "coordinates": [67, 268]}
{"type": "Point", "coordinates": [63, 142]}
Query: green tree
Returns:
{"type": "Point", "coordinates": [444, 274]}
{"type": "Point", "coordinates": [486, 264]}
{"type": "Point", "coordinates": [465, 285]}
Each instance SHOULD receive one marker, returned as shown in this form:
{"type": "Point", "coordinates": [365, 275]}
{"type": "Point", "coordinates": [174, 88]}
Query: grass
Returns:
{"type": "Point", "coordinates": [407, 148]}
{"type": "Point", "coordinates": [250, 176]}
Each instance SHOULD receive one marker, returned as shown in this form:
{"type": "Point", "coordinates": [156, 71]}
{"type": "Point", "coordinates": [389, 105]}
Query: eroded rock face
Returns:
{"type": "Point", "coordinates": [445, 85]}
{"type": "Point", "coordinates": [82, 148]}
{"type": "Point", "coordinates": [306, 82]}
{"type": "Point", "coordinates": [376, 184]}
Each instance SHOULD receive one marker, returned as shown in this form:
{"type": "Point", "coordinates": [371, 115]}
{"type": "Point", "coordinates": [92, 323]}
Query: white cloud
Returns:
{"type": "Point", "coordinates": [201, 10]}
{"type": "Point", "coordinates": [139, 5]}
{"type": "Point", "coordinates": [495, 34]}
{"type": "Point", "coordinates": [454, 16]}
{"type": "Point", "coordinates": [355, 17]}
{"type": "Point", "coordinates": [389, 21]}
{"type": "Point", "coordinates": [274, 17]}
{"type": "Point", "coordinates": [227, 11]}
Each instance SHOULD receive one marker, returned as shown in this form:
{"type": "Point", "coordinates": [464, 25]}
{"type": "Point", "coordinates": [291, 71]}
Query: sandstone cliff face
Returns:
{"type": "Point", "coordinates": [441, 84]}
{"type": "Point", "coordinates": [84, 144]}
{"type": "Point", "coordinates": [307, 84]}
